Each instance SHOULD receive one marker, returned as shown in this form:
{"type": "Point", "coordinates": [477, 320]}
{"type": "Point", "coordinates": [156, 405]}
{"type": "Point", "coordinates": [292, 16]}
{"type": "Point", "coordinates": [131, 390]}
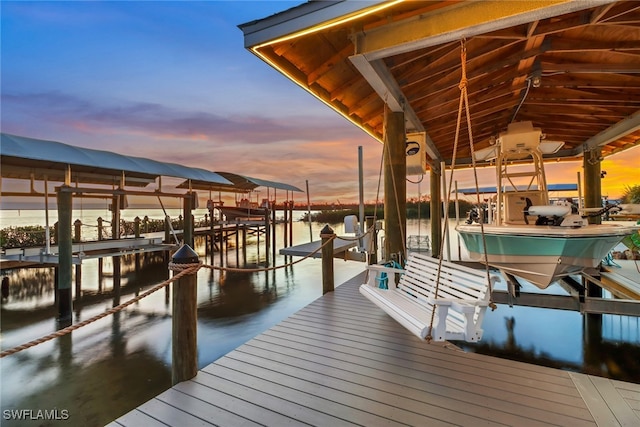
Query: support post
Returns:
{"type": "Point", "coordinates": [184, 364]}
{"type": "Point", "coordinates": [187, 228]}
{"type": "Point", "coordinates": [77, 237]}
{"type": "Point", "coordinates": [327, 259]}
{"type": "Point", "coordinates": [592, 182]}
{"type": "Point", "coordinates": [115, 234]}
{"type": "Point", "coordinates": [593, 198]}
{"type": "Point", "coordinates": [395, 186]}
{"type": "Point", "coordinates": [285, 233]}
{"type": "Point", "coordinates": [65, 253]}
{"type": "Point", "coordinates": [436, 212]}
{"type": "Point", "coordinates": [136, 227]}
{"type": "Point", "coordinates": [373, 255]}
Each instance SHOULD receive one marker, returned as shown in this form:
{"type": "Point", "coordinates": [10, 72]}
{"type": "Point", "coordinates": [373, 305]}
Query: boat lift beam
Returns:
{"type": "Point", "coordinates": [591, 305]}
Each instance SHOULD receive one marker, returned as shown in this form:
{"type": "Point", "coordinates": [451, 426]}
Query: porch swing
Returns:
{"type": "Point", "coordinates": [434, 299]}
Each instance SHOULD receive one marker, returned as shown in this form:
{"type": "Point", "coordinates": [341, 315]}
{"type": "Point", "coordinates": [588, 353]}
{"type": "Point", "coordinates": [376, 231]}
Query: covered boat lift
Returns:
{"type": "Point", "coordinates": [89, 173]}
{"type": "Point", "coordinates": [393, 67]}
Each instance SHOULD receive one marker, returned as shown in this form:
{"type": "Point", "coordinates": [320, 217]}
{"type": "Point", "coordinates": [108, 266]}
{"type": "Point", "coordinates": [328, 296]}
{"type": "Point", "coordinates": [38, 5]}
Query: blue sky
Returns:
{"type": "Point", "coordinates": [172, 81]}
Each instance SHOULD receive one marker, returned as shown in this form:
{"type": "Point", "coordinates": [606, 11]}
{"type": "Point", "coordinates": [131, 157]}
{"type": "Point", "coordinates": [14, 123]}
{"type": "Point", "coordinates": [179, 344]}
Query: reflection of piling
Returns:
{"type": "Point", "coordinates": [184, 364]}
{"type": "Point", "coordinates": [326, 235]}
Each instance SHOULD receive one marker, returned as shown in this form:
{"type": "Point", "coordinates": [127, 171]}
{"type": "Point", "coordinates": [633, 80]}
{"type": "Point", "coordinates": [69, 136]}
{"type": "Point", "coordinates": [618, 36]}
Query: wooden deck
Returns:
{"type": "Point", "coordinates": [341, 361]}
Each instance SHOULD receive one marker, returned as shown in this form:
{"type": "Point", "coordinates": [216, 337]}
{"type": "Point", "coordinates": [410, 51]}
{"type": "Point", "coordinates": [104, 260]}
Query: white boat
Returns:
{"type": "Point", "coordinates": [524, 235]}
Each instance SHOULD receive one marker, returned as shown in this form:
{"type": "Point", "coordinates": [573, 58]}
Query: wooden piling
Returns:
{"type": "Point", "coordinates": [436, 212]}
{"type": "Point", "coordinates": [115, 234]}
{"type": "Point", "coordinates": [77, 237]}
{"type": "Point", "coordinates": [187, 222]}
{"type": "Point", "coordinates": [327, 259]}
{"type": "Point", "coordinates": [395, 186]}
{"type": "Point", "coordinates": [65, 254]}
{"type": "Point", "coordinates": [184, 364]}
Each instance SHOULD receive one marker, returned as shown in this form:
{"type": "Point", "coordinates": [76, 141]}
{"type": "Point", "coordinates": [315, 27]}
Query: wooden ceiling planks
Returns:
{"type": "Point", "coordinates": [587, 62]}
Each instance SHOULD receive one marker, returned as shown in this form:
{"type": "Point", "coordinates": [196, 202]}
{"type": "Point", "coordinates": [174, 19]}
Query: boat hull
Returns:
{"type": "Point", "coordinates": [542, 254]}
{"type": "Point", "coordinates": [233, 213]}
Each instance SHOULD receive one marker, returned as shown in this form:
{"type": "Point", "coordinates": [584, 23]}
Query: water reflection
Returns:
{"type": "Point", "coordinates": [105, 369]}
{"type": "Point", "coordinates": [109, 367]}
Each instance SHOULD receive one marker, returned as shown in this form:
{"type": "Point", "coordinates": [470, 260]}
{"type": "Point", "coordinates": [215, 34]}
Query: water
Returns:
{"type": "Point", "coordinates": [105, 369]}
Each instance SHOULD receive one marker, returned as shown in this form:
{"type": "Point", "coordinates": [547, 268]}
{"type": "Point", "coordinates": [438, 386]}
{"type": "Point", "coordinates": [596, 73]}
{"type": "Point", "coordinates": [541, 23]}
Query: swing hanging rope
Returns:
{"type": "Point", "coordinates": [463, 100]}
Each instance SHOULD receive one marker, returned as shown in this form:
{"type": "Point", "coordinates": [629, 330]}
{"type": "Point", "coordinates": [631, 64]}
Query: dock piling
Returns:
{"type": "Point", "coordinates": [326, 235]}
{"type": "Point", "coordinates": [184, 365]}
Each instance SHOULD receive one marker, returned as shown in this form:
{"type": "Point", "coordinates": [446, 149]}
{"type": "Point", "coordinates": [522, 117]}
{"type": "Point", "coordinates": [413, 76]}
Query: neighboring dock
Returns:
{"type": "Point", "coordinates": [341, 361]}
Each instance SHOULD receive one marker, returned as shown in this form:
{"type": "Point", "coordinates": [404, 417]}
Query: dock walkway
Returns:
{"type": "Point", "coordinates": [342, 362]}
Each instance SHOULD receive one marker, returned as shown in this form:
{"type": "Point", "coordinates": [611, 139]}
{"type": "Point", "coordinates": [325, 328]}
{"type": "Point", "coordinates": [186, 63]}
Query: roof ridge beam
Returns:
{"type": "Point", "coordinates": [464, 20]}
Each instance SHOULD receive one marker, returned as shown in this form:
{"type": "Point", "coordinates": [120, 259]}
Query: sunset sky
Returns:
{"type": "Point", "coordinates": [172, 81]}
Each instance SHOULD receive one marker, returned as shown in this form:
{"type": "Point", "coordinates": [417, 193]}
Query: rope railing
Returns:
{"type": "Point", "coordinates": [180, 270]}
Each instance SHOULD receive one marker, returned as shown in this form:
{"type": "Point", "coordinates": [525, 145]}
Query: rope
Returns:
{"type": "Point", "coordinates": [257, 270]}
{"type": "Point", "coordinates": [181, 269]}
{"type": "Point", "coordinates": [62, 332]}
{"type": "Point", "coordinates": [463, 100]}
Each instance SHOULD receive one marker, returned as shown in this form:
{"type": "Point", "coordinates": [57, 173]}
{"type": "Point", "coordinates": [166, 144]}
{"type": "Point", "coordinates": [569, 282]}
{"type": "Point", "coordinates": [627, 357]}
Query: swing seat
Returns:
{"type": "Point", "coordinates": [462, 297]}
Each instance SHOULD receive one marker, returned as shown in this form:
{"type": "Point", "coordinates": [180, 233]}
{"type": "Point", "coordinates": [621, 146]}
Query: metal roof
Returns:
{"type": "Point", "coordinates": [24, 158]}
{"type": "Point", "coordinates": [240, 184]}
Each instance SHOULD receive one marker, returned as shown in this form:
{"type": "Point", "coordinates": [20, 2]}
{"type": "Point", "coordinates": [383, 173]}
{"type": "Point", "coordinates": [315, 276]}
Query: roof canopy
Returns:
{"type": "Point", "coordinates": [28, 158]}
{"type": "Point", "coordinates": [241, 184]}
{"type": "Point", "coordinates": [570, 67]}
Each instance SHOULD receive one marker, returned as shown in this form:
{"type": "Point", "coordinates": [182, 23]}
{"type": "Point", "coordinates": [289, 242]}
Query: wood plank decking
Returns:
{"type": "Point", "coordinates": [340, 361]}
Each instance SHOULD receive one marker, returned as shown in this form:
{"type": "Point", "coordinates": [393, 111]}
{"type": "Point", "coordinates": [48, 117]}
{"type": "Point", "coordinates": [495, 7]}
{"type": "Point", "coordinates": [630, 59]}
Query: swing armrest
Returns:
{"type": "Point", "coordinates": [458, 305]}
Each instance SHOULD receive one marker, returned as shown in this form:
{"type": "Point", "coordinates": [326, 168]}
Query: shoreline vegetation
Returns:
{"type": "Point", "coordinates": [34, 235]}
{"type": "Point", "coordinates": [415, 210]}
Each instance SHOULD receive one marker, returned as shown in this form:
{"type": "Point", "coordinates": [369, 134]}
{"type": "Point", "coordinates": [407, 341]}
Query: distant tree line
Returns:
{"type": "Point", "coordinates": [415, 210]}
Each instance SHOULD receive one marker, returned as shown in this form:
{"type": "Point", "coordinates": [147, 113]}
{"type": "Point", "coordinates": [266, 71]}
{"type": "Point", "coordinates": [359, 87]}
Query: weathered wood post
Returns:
{"type": "Point", "coordinates": [184, 365]}
{"type": "Point", "coordinates": [100, 227]}
{"type": "Point", "coordinates": [593, 199]}
{"type": "Point", "coordinates": [285, 234]}
{"type": "Point", "coordinates": [373, 254]}
{"type": "Point", "coordinates": [395, 186]}
{"type": "Point", "coordinates": [291, 223]}
{"type": "Point", "coordinates": [115, 235]}
{"type": "Point", "coordinates": [136, 233]}
{"type": "Point", "coordinates": [436, 211]}
{"type": "Point", "coordinates": [136, 227]}
{"type": "Point", "coordinates": [187, 223]}
{"type": "Point", "coordinates": [65, 253]}
{"type": "Point", "coordinates": [326, 235]}
{"type": "Point", "coordinates": [77, 237]}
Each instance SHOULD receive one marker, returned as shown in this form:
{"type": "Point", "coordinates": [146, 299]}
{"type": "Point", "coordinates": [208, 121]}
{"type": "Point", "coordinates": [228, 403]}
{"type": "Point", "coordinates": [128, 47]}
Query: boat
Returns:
{"type": "Point", "coordinates": [244, 209]}
{"type": "Point", "coordinates": [524, 235]}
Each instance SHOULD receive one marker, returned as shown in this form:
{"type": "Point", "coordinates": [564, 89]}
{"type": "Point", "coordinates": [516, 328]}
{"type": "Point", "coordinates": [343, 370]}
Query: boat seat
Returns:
{"type": "Point", "coordinates": [461, 301]}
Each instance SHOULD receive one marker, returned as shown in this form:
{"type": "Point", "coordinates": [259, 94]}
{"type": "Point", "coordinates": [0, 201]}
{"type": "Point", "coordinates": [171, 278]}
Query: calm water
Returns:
{"type": "Point", "coordinates": [105, 369]}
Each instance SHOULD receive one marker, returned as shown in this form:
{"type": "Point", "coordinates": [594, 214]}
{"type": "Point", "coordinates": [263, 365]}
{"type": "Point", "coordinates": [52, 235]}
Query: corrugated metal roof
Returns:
{"type": "Point", "coordinates": [240, 184]}
{"type": "Point", "coordinates": [57, 155]}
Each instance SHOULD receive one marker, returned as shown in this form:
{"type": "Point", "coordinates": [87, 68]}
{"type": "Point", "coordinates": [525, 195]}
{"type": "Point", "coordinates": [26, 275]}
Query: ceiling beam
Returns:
{"type": "Point", "coordinates": [615, 132]}
{"type": "Point", "coordinates": [385, 85]}
{"type": "Point", "coordinates": [460, 21]}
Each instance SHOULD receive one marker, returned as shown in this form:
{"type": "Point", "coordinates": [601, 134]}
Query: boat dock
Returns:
{"type": "Point", "coordinates": [341, 361]}
{"type": "Point", "coordinates": [623, 279]}
{"type": "Point", "coordinates": [340, 249]}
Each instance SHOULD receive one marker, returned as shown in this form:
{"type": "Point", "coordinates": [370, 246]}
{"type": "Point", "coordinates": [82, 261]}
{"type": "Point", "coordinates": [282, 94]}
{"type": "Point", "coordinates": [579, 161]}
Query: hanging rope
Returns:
{"type": "Point", "coordinates": [180, 270]}
{"type": "Point", "coordinates": [464, 101]}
